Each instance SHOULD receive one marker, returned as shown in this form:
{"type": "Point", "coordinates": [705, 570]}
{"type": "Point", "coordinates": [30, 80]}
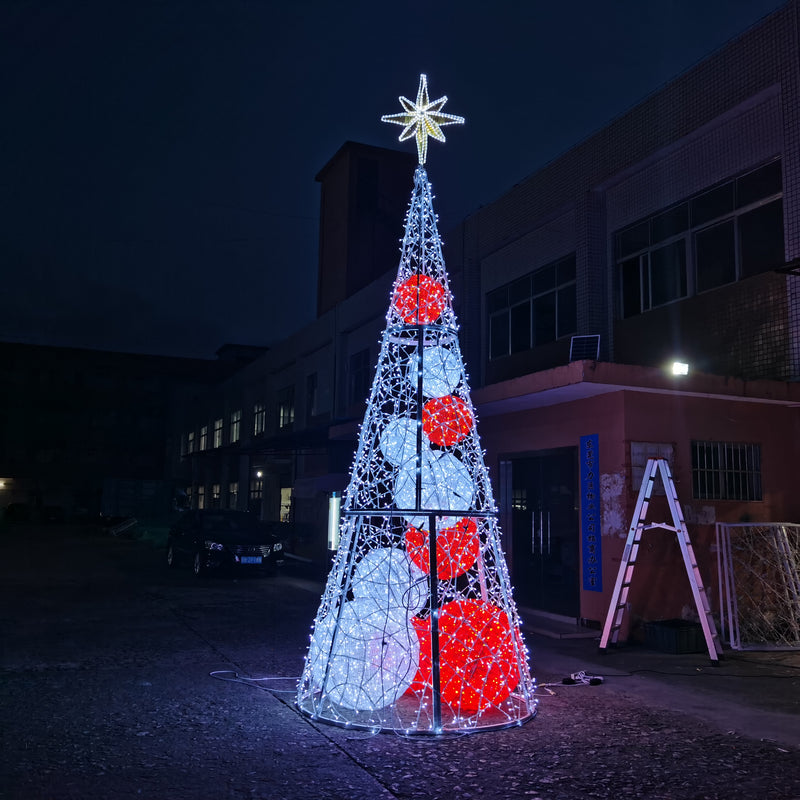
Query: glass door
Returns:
{"type": "Point", "coordinates": [545, 536]}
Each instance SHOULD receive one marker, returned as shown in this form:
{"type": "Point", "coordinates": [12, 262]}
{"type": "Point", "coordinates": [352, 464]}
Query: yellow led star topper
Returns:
{"type": "Point", "coordinates": [422, 118]}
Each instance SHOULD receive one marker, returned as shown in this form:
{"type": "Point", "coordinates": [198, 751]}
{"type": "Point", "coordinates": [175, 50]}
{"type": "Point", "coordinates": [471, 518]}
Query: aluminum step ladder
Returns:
{"type": "Point", "coordinates": [619, 598]}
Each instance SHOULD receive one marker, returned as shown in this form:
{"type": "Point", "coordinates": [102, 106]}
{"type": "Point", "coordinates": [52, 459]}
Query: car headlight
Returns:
{"type": "Point", "coordinates": [213, 545]}
{"type": "Point", "coordinates": [277, 546]}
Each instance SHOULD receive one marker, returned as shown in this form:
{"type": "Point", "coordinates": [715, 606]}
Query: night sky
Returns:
{"type": "Point", "coordinates": [157, 189]}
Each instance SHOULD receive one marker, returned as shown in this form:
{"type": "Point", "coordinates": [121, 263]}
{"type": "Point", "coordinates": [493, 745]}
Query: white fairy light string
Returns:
{"type": "Point", "coordinates": [417, 631]}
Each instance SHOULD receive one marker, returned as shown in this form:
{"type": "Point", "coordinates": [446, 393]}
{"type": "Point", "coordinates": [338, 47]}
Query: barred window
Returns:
{"type": "Point", "coordinates": [726, 471]}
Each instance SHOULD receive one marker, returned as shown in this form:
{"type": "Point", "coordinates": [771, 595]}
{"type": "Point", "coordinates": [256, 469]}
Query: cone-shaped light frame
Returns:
{"type": "Point", "coordinates": [417, 631]}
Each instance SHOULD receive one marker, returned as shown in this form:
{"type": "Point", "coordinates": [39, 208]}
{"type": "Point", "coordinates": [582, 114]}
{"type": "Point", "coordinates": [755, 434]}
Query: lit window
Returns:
{"type": "Point", "coordinates": [233, 494]}
{"type": "Point", "coordinates": [286, 503]}
{"type": "Point", "coordinates": [190, 442]}
{"type": "Point", "coordinates": [236, 425]}
{"type": "Point", "coordinates": [201, 497]}
{"type": "Point", "coordinates": [218, 432]}
{"type": "Point", "coordinates": [259, 419]}
{"type": "Point", "coordinates": [203, 443]}
{"type": "Point", "coordinates": [256, 492]}
{"type": "Point", "coordinates": [215, 495]}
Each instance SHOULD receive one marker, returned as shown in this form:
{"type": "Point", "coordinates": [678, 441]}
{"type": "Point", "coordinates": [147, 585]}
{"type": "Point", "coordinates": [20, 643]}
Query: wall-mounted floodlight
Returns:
{"type": "Point", "coordinates": [259, 474]}
{"type": "Point", "coordinates": [680, 368]}
{"type": "Point", "coordinates": [334, 505]}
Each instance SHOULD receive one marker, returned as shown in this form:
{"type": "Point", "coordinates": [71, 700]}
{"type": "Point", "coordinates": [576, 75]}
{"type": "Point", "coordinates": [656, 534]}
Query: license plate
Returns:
{"type": "Point", "coordinates": [250, 559]}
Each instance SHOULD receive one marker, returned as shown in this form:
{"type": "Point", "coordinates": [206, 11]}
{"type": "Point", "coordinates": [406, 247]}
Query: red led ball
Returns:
{"type": "Point", "coordinates": [446, 420]}
{"type": "Point", "coordinates": [419, 300]}
{"type": "Point", "coordinates": [477, 655]}
{"type": "Point", "coordinates": [457, 548]}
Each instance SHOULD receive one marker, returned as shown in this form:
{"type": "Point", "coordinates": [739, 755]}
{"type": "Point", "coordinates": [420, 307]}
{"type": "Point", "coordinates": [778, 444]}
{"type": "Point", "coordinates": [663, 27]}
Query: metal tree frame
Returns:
{"type": "Point", "coordinates": [417, 630]}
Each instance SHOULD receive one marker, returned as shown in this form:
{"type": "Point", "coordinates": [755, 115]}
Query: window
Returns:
{"type": "Point", "coordinates": [534, 310]}
{"type": "Point", "coordinates": [236, 426]}
{"type": "Point", "coordinates": [190, 442]}
{"type": "Point", "coordinates": [715, 254]}
{"type": "Point", "coordinates": [259, 419]}
{"type": "Point", "coordinates": [215, 495]}
{"type": "Point", "coordinates": [203, 443]}
{"type": "Point", "coordinates": [286, 504]}
{"type": "Point", "coordinates": [256, 492]}
{"type": "Point", "coordinates": [286, 407]}
{"type": "Point", "coordinates": [719, 236]}
{"type": "Point", "coordinates": [201, 496]}
{"type": "Point", "coordinates": [184, 444]}
{"type": "Point", "coordinates": [312, 396]}
{"type": "Point", "coordinates": [358, 377]}
{"type": "Point", "coordinates": [233, 494]}
{"type": "Point", "coordinates": [640, 452]}
{"type": "Point", "coordinates": [726, 471]}
{"type": "Point", "coordinates": [761, 239]}
{"type": "Point", "coordinates": [218, 432]}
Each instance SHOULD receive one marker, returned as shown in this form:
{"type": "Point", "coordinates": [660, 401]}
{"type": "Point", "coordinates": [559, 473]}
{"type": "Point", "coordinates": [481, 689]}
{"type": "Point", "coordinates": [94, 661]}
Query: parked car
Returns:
{"type": "Point", "coordinates": [219, 539]}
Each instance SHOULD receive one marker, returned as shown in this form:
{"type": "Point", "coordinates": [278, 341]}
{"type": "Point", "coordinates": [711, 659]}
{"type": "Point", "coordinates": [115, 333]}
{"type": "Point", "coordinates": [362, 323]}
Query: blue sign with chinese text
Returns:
{"type": "Point", "coordinates": [590, 514]}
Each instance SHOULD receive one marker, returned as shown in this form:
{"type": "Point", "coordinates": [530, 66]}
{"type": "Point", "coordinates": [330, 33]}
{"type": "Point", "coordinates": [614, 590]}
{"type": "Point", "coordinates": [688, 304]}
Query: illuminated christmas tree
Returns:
{"type": "Point", "coordinates": [417, 630]}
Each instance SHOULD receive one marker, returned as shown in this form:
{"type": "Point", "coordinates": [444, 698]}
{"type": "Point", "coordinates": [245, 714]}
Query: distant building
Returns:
{"type": "Point", "coordinates": [670, 235]}
{"type": "Point", "coordinates": [87, 431]}
{"type": "Point", "coordinates": [278, 436]}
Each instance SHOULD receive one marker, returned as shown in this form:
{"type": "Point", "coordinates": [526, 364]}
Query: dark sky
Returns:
{"type": "Point", "coordinates": [157, 159]}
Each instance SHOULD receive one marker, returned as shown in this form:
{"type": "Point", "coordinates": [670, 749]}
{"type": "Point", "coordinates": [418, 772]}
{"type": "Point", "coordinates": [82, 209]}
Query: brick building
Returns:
{"type": "Point", "coordinates": [665, 236]}
{"type": "Point", "coordinates": [671, 234]}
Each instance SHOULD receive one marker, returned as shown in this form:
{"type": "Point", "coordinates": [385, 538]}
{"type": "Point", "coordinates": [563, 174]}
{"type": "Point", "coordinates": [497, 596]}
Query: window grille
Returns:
{"type": "Point", "coordinates": [726, 471]}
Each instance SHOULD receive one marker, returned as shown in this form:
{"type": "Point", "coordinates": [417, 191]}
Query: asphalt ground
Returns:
{"type": "Point", "coordinates": [120, 678]}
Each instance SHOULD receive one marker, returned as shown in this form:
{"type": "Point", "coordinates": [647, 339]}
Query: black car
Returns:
{"type": "Point", "coordinates": [219, 539]}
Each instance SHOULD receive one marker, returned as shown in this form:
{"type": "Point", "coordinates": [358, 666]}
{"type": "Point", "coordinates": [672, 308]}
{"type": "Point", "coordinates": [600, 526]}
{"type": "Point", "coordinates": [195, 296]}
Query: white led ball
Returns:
{"type": "Point", "coordinates": [442, 371]}
{"type": "Point", "coordinates": [398, 441]}
{"type": "Point", "coordinates": [388, 578]}
{"type": "Point", "coordinates": [446, 485]}
{"type": "Point", "coordinates": [367, 660]}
